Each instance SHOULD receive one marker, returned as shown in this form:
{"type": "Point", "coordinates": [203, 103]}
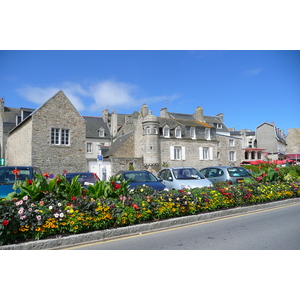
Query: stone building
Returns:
{"type": "Point", "coordinates": [145, 141]}
{"type": "Point", "coordinates": [293, 144]}
{"type": "Point", "coordinates": [52, 137]}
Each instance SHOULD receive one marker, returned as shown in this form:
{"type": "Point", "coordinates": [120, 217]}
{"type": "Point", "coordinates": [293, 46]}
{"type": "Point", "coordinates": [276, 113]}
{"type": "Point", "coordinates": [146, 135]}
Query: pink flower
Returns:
{"type": "Point", "coordinates": [38, 218]}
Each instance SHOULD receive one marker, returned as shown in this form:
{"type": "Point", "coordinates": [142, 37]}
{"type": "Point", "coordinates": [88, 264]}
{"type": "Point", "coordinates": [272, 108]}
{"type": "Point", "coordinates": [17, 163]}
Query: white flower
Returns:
{"type": "Point", "coordinates": [56, 215]}
{"type": "Point", "coordinates": [25, 198]}
{"type": "Point", "coordinates": [50, 207]}
{"type": "Point", "coordinates": [30, 209]}
{"type": "Point", "coordinates": [59, 204]}
{"type": "Point", "coordinates": [21, 210]}
{"type": "Point", "coordinates": [61, 215]}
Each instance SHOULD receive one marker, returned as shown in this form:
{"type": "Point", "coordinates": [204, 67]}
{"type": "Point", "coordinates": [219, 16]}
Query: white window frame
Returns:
{"type": "Point", "coordinates": [178, 132]}
{"type": "Point", "coordinates": [177, 153]}
{"type": "Point", "coordinates": [232, 156]}
{"type": "Point", "coordinates": [166, 131]}
{"type": "Point", "coordinates": [207, 133]}
{"type": "Point", "coordinates": [101, 132]}
{"type": "Point", "coordinates": [193, 132]}
{"type": "Point", "coordinates": [148, 130]}
{"type": "Point", "coordinates": [231, 143]}
{"type": "Point", "coordinates": [60, 136]}
{"type": "Point", "coordinates": [89, 147]}
{"type": "Point", "coordinates": [206, 153]}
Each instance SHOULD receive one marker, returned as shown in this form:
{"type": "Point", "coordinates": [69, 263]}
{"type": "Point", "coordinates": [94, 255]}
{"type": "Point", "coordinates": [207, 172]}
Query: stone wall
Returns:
{"type": "Point", "coordinates": [58, 112]}
{"type": "Point", "coordinates": [293, 141]}
{"type": "Point", "coordinates": [19, 146]}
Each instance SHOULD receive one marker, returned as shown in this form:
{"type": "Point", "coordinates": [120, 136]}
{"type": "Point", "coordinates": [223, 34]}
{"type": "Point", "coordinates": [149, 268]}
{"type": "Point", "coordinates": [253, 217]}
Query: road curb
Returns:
{"type": "Point", "coordinates": [82, 238]}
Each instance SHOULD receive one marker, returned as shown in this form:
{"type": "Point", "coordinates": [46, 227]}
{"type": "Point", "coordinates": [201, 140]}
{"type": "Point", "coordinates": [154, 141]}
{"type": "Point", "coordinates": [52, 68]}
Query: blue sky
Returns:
{"type": "Point", "coordinates": [248, 87]}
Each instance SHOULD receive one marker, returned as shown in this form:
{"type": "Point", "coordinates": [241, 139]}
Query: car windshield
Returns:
{"type": "Point", "coordinates": [8, 175]}
{"type": "Point", "coordinates": [140, 177]}
{"type": "Point", "coordinates": [83, 177]}
{"type": "Point", "coordinates": [187, 173]}
{"type": "Point", "coordinates": [237, 172]}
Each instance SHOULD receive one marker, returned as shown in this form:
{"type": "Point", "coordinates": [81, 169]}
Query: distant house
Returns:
{"type": "Point", "coordinates": [52, 137]}
{"type": "Point", "coordinates": [249, 145]}
{"type": "Point", "coordinates": [272, 139]}
{"type": "Point", "coordinates": [98, 141]}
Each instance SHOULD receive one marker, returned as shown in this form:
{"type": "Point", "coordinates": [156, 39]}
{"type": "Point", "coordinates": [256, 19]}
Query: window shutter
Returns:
{"type": "Point", "coordinates": [172, 152]}
{"type": "Point", "coordinates": [183, 153]}
{"type": "Point", "coordinates": [211, 153]}
{"type": "Point", "coordinates": [201, 153]}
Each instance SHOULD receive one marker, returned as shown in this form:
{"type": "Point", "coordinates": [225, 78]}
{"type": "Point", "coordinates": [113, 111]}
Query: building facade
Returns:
{"type": "Point", "coordinates": [53, 138]}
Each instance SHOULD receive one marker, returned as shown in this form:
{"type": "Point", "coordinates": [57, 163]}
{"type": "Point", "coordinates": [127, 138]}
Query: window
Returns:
{"type": "Point", "coordinates": [148, 130]}
{"type": "Point", "coordinates": [232, 155]}
{"type": "Point", "coordinates": [206, 153]}
{"type": "Point", "coordinates": [193, 132]}
{"type": "Point", "coordinates": [155, 130]}
{"type": "Point", "coordinates": [166, 131]}
{"type": "Point", "coordinates": [207, 133]}
{"type": "Point", "coordinates": [178, 132]}
{"type": "Point", "coordinates": [177, 153]}
{"type": "Point", "coordinates": [231, 143]}
{"type": "Point", "coordinates": [101, 132]}
{"type": "Point", "coordinates": [60, 136]}
{"type": "Point", "coordinates": [89, 148]}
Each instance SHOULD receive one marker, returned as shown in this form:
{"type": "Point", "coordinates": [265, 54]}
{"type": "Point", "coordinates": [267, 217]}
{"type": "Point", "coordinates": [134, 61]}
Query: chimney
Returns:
{"type": "Point", "coordinates": [164, 113]}
{"type": "Point", "coordinates": [199, 114]}
{"type": "Point", "coordinates": [221, 116]}
{"type": "Point", "coordinates": [144, 111]}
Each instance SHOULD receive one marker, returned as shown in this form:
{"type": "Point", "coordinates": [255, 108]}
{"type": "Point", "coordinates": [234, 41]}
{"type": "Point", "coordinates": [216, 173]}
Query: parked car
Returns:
{"type": "Point", "coordinates": [139, 178]}
{"type": "Point", "coordinates": [10, 174]}
{"type": "Point", "coordinates": [233, 175]}
{"type": "Point", "coordinates": [85, 178]}
{"type": "Point", "coordinates": [182, 178]}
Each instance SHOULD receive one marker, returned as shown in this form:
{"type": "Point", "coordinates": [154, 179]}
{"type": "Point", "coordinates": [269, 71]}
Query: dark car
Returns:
{"type": "Point", "coordinates": [139, 178]}
{"type": "Point", "coordinates": [232, 175]}
{"type": "Point", "coordinates": [85, 178]}
{"type": "Point", "coordinates": [10, 174]}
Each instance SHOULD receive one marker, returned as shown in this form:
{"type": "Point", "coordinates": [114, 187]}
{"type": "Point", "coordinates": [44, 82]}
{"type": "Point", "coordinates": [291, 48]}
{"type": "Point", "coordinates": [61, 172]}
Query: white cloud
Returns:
{"type": "Point", "coordinates": [253, 72]}
{"type": "Point", "coordinates": [37, 95]}
{"type": "Point", "coordinates": [104, 94]}
{"type": "Point", "coordinates": [113, 94]}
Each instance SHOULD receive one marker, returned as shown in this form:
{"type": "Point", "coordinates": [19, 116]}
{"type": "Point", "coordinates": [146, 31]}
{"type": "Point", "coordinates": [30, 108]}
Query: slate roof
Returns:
{"type": "Point", "coordinates": [93, 124]}
{"type": "Point", "coordinates": [115, 145]}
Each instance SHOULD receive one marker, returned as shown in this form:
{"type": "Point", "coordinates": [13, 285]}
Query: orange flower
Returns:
{"type": "Point", "coordinates": [16, 171]}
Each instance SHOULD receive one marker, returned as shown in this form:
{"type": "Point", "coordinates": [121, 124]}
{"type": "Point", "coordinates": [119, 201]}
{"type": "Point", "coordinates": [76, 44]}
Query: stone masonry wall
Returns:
{"type": "Point", "coordinates": [58, 112]}
{"type": "Point", "coordinates": [19, 146]}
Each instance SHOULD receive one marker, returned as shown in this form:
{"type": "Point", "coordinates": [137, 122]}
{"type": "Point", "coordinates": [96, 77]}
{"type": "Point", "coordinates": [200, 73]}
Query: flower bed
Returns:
{"type": "Point", "coordinates": [49, 207]}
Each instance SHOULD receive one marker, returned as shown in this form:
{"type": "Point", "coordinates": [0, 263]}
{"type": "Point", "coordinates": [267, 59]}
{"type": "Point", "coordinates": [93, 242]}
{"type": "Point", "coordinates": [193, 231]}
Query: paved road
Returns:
{"type": "Point", "coordinates": [271, 229]}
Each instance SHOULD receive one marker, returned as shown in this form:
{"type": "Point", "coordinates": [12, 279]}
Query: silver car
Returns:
{"type": "Point", "coordinates": [232, 175]}
{"type": "Point", "coordinates": [183, 178]}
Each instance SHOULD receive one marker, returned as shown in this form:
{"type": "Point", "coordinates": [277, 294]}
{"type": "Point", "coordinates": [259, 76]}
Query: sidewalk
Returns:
{"type": "Point", "coordinates": [61, 242]}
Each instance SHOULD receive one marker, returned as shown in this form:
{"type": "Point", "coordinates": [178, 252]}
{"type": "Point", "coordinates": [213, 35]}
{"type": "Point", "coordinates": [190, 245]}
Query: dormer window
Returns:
{"type": "Point", "coordinates": [148, 130]}
{"type": "Point", "coordinates": [178, 132]}
{"type": "Point", "coordinates": [207, 133]}
{"type": "Point", "coordinates": [193, 132]}
{"type": "Point", "coordinates": [101, 132]}
{"type": "Point", "coordinates": [166, 131]}
{"type": "Point", "coordinates": [155, 130]}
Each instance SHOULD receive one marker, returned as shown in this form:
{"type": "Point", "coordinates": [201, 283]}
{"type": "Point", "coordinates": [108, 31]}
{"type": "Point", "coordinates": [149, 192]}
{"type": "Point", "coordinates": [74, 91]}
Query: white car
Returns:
{"type": "Point", "coordinates": [183, 178]}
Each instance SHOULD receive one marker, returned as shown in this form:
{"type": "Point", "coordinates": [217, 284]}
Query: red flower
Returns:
{"type": "Point", "coordinates": [135, 206]}
{"type": "Point", "coordinates": [113, 183]}
{"type": "Point", "coordinates": [5, 222]}
{"type": "Point", "coordinates": [263, 174]}
{"type": "Point", "coordinates": [117, 186]}
{"type": "Point", "coordinates": [73, 198]}
{"type": "Point", "coordinates": [276, 169]}
{"type": "Point", "coordinates": [29, 181]}
{"type": "Point", "coordinates": [46, 175]}
{"type": "Point", "coordinates": [16, 171]}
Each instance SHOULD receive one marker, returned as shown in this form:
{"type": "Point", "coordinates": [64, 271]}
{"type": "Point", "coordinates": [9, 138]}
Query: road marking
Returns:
{"type": "Point", "coordinates": [196, 223]}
